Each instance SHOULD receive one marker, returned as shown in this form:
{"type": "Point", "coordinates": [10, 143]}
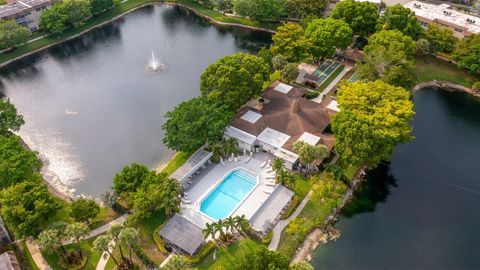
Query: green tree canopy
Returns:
{"type": "Point", "coordinates": [83, 209]}
{"type": "Point", "coordinates": [392, 40]}
{"type": "Point", "coordinates": [301, 265]}
{"type": "Point", "coordinates": [289, 72]}
{"type": "Point", "coordinates": [17, 163]}
{"type": "Point", "coordinates": [361, 16]}
{"type": "Point", "coordinates": [262, 259]}
{"type": "Point", "coordinates": [232, 80]}
{"type": "Point", "coordinates": [308, 153]}
{"type": "Point", "coordinates": [441, 38]}
{"type": "Point", "coordinates": [402, 19]}
{"type": "Point", "coordinates": [328, 190]}
{"type": "Point", "coordinates": [26, 207]}
{"type": "Point", "coordinates": [327, 35]}
{"type": "Point", "coordinates": [10, 120]}
{"type": "Point", "coordinates": [374, 117]}
{"type": "Point", "coordinates": [77, 11]}
{"type": "Point", "coordinates": [194, 123]}
{"type": "Point", "coordinates": [304, 8]}
{"type": "Point", "coordinates": [261, 10]}
{"type": "Point", "coordinates": [279, 62]}
{"type": "Point", "coordinates": [12, 34]}
{"type": "Point", "coordinates": [290, 41]}
{"type": "Point", "coordinates": [54, 19]}
{"type": "Point", "coordinates": [99, 6]}
{"type": "Point", "coordinates": [467, 53]}
{"type": "Point", "coordinates": [390, 66]}
{"type": "Point", "coordinates": [177, 262]}
{"type": "Point", "coordinates": [129, 180]}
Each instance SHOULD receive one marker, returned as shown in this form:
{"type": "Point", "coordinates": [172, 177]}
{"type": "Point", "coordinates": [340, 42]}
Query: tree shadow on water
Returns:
{"type": "Point", "coordinates": [375, 189]}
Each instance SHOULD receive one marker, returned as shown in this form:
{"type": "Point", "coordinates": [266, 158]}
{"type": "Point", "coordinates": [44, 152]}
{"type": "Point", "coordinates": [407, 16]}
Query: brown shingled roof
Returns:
{"type": "Point", "coordinates": [288, 113]}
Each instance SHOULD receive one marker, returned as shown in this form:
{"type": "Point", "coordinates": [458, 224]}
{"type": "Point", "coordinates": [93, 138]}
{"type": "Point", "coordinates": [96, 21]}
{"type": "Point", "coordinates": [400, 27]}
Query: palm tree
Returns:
{"type": "Point", "coordinates": [76, 232]}
{"type": "Point", "coordinates": [128, 236]}
{"type": "Point", "coordinates": [242, 223]}
{"type": "Point", "coordinates": [51, 239]}
{"type": "Point", "coordinates": [277, 165]}
{"type": "Point", "coordinates": [171, 201]}
{"type": "Point", "coordinates": [219, 227]}
{"type": "Point", "coordinates": [114, 232]}
{"type": "Point", "coordinates": [229, 223]}
{"type": "Point", "coordinates": [210, 229]}
{"type": "Point", "coordinates": [103, 243]}
{"type": "Point", "coordinates": [309, 153]}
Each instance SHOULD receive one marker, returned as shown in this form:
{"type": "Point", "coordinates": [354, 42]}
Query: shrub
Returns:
{"type": "Point", "coordinates": [311, 94]}
{"type": "Point", "coordinates": [266, 240]}
{"type": "Point", "coordinates": [149, 264]}
{"type": "Point", "coordinates": [204, 251]}
{"type": "Point", "coordinates": [291, 207]}
{"type": "Point", "coordinates": [476, 86]}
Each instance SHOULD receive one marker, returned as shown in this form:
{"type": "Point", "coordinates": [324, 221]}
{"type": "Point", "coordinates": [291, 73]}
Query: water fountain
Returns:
{"type": "Point", "coordinates": [154, 64]}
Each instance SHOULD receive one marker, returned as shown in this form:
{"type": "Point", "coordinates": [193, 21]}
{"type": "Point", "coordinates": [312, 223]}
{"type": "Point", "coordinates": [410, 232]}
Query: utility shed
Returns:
{"type": "Point", "coordinates": [182, 235]}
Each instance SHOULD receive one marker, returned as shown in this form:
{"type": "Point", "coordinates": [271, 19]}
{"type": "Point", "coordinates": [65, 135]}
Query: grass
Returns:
{"type": "Point", "coordinates": [430, 68]}
{"type": "Point", "coordinates": [116, 253]}
{"type": "Point", "coordinates": [53, 258]}
{"type": "Point", "coordinates": [176, 162]}
{"type": "Point", "coordinates": [331, 78]}
{"type": "Point", "coordinates": [228, 257]}
{"type": "Point", "coordinates": [121, 9]}
{"type": "Point", "coordinates": [146, 242]}
{"type": "Point", "coordinates": [105, 215]}
{"type": "Point", "coordinates": [31, 262]}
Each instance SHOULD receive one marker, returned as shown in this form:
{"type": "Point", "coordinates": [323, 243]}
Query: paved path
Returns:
{"type": "Point", "coordinates": [277, 230]}
{"type": "Point", "coordinates": [104, 258]}
{"type": "Point", "coordinates": [332, 84]}
{"type": "Point", "coordinates": [166, 259]}
{"type": "Point", "coordinates": [37, 256]}
{"type": "Point", "coordinates": [102, 229]}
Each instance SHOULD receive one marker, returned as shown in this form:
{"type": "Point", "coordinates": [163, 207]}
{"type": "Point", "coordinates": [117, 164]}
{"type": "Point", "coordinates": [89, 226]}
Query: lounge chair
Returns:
{"type": "Point", "coordinates": [263, 164]}
{"type": "Point", "coordinates": [185, 201]}
{"type": "Point", "coordinates": [247, 159]}
{"type": "Point", "coordinates": [270, 177]}
{"type": "Point", "coordinates": [267, 191]}
{"type": "Point", "coordinates": [270, 184]}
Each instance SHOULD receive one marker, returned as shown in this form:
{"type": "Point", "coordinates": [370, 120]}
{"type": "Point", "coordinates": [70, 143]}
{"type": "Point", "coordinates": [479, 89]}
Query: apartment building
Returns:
{"type": "Point", "coordinates": [25, 12]}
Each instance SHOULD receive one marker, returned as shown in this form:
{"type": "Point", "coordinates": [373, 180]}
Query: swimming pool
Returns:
{"type": "Point", "coordinates": [228, 194]}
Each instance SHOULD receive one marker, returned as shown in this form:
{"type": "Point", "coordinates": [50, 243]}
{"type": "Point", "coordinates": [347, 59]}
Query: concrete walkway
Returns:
{"type": "Point", "coordinates": [277, 230]}
{"type": "Point", "coordinates": [37, 256]}
{"type": "Point", "coordinates": [102, 229]}
{"type": "Point", "coordinates": [166, 260]}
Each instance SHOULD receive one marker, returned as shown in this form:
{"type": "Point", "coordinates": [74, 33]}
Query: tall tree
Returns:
{"type": "Point", "coordinates": [10, 120]}
{"type": "Point", "coordinates": [50, 240]}
{"type": "Point", "coordinates": [467, 53]}
{"type": "Point", "coordinates": [261, 10]}
{"type": "Point", "coordinates": [327, 35]}
{"type": "Point", "coordinates": [441, 38]}
{"type": "Point", "coordinates": [77, 11]}
{"type": "Point", "coordinates": [128, 237]}
{"type": "Point", "coordinates": [83, 209]}
{"type": "Point", "coordinates": [234, 79]}
{"type": "Point", "coordinates": [305, 8]}
{"type": "Point", "coordinates": [290, 41]}
{"type": "Point", "coordinates": [26, 207]}
{"type": "Point", "coordinates": [374, 117]}
{"type": "Point", "coordinates": [261, 259]}
{"type": "Point", "coordinates": [99, 6]}
{"type": "Point", "coordinates": [199, 121]}
{"type": "Point", "coordinates": [329, 191]}
{"type": "Point", "coordinates": [104, 243]}
{"type": "Point", "coordinates": [17, 163]}
{"type": "Point", "coordinates": [392, 40]}
{"type": "Point", "coordinates": [361, 16]}
{"type": "Point", "coordinates": [54, 19]}
{"type": "Point", "coordinates": [129, 180]}
{"type": "Point", "coordinates": [402, 19]}
{"type": "Point", "coordinates": [301, 265]}
{"type": "Point", "coordinates": [12, 34]}
{"type": "Point", "coordinates": [76, 232]}
{"type": "Point", "coordinates": [390, 66]}
{"type": "Point", "coordinates": [289, 72]}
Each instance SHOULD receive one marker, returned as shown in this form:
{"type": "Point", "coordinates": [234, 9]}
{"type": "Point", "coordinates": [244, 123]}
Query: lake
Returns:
{"type": "Point", "coordinates": [90, 105]}
{"type": "Point", "coordinates": [421, 210]}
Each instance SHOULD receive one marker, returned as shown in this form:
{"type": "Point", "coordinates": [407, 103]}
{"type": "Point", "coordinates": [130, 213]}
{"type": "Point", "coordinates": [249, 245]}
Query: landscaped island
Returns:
{"type": "Point", "coordinates": [268, 152]}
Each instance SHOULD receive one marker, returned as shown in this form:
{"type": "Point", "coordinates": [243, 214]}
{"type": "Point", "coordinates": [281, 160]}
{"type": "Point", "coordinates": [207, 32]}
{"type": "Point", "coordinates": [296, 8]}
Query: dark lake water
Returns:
{"type": "Point", "coordinates": [421, 211]}
{"type": "Point", "coordinates": [90, 105]}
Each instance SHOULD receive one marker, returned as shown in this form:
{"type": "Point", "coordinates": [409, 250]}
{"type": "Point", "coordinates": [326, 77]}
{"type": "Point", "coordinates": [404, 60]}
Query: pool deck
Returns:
{"type": "Point", "coordinates": [214, 173]}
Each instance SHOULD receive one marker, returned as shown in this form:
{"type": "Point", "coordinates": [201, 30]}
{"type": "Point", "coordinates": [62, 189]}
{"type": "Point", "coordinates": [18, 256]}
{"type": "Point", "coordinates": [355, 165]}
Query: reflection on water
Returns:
{"type": "Point", "coordinates": [422, 210]}
{"type": "Point", "coordinates": [91, 107]}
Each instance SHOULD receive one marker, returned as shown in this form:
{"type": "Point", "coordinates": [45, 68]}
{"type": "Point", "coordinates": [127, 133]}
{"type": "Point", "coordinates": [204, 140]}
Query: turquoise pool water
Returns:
{"type": "Point", "coordinates": [227, 195]}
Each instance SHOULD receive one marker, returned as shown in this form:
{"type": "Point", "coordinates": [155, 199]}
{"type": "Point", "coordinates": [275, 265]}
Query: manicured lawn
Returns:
{"type": "Point", "coordinates": [116, 253]}
{"type": "Point", "coordinates": [429, 69]}
{"type": "Point", "coordinates": [122, 8]}
{"type": "Point", "coordinates": [331, 78]}
{"type": "Point", "coordinates": [301, 186]}
{"type": "Point", "coordinates": [146, 242]}
{"type": "Point", "coordinates": [53, 258]}
{"type": "Point", "coordinates": [106, 215]}
{"type": "Point", "coordinates": [175, 162]}
{"type": "Point", "coordinates": [228, 257]}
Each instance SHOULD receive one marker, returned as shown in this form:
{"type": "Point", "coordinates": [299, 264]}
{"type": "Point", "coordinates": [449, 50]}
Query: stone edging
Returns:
{"type": "Point", "coordinates": [452, 87]}
{"type": "Point", "coordinates": [213, 21]}
{"type": "Point", "coordinates": [312, 239]}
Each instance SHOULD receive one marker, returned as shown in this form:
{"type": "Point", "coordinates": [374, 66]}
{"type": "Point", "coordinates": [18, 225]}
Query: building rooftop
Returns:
{"type": "Point", "coordinates": [446, 15]}
{"type": "Point", "coordinates": [288, 114]}
{"type": "Point", "coordinates": [8, 261]}
{"type": "Point", "coordinates": [16, 7]}
{"type": "Point", "coordinates": [191, 165]}
{"type": "Point", "coordinates": [183, 234]}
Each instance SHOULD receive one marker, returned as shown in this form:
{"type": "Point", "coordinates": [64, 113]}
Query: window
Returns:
{"type": "Point", "coordinates": [424, 24]}
{"type": "Point", "coordinates": [458, 30]}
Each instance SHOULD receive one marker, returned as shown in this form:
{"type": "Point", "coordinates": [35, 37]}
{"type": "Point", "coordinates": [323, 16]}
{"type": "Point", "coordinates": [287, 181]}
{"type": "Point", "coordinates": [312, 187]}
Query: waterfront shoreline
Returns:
{"type": "Point", "coordinates": [99, 25]}
{"type": "Point", "coordinates": [445, 86]}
